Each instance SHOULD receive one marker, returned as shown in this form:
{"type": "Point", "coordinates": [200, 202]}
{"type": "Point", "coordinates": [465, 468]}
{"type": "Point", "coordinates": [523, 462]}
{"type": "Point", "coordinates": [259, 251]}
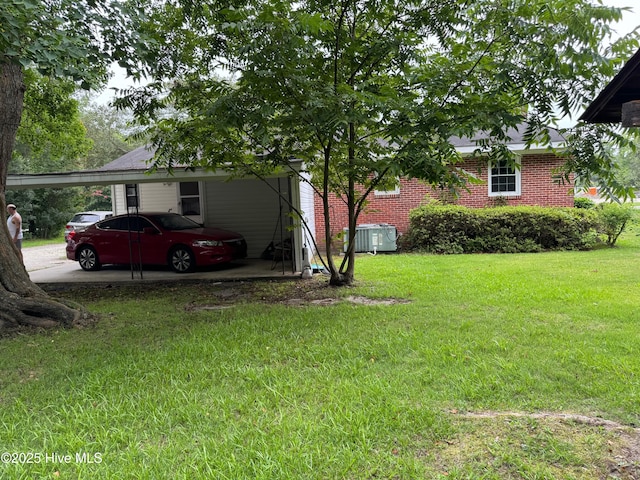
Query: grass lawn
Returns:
{"type": "Point", "coordinates": [458, 367]}
{"type": "Point", "coordinates": [38, 242]}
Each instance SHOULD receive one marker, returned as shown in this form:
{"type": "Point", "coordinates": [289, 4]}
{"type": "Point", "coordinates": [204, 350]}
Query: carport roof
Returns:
{"type": "Point", "coordinates": [132, 167]}
{"type": "Point", "coordinates": [625, 87]}
{"type": "Point", "coordinates": [106, 177]}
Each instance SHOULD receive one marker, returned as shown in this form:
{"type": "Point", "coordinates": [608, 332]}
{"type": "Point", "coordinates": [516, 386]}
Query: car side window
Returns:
{"type": "Point", "coordinates": [138, 224]}
{"type": "Point", "coordinates": [114, 224]}
{"type": "Point", "coordinates": [148, 224]}
{"type": "Point", "coordinates": [134, 224]}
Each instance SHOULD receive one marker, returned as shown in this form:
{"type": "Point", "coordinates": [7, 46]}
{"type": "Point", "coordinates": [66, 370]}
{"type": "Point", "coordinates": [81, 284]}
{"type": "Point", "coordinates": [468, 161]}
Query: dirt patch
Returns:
{"type": "Point", "coordinates": [197, 296]}
{"type": "Point", "coordinates": [205, 295]}
{"type": "Point", "coordinates": [567, 417]}
{"type": "Point", "coordinates": [625, 463]}
{"type": "Point", "coordinates": [620, 444]}
{"type": "Point", "coordinates": [301, 302]}
{"type": "Point", "coordinates": [358, 300]}
{"type": "Point", "coordinates": [377, 301]}
{"type": "Point", "coordinates": [197, 308]}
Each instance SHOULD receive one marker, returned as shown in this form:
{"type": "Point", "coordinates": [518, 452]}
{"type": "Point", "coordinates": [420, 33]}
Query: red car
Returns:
{"type": "Point", "coordinates": [154, 239]}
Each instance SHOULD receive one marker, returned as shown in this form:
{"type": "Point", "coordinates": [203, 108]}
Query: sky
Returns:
{"type": "Point", "coordinates": [630, 21]}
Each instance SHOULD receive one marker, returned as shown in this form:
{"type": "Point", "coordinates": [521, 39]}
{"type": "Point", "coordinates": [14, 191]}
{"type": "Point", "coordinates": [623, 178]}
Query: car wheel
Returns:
{"type": "Point", "coordinates": [88, 259]}
{"type": "Point", "coordinates": [181, 260]}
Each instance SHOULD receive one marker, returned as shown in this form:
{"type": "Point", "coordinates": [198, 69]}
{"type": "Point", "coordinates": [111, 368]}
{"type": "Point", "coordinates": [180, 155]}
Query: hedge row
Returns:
{"type": "Point", "coordinates": [454, 229]}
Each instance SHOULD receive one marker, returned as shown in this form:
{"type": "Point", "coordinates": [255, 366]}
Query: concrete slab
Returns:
{"type": "Point", "coordinates": [49, 265]}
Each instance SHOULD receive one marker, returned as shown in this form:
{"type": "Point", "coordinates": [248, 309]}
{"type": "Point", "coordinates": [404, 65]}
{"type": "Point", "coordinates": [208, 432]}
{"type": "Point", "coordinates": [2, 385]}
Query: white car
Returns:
{"type": "Point", "coordinates": [82, 220]}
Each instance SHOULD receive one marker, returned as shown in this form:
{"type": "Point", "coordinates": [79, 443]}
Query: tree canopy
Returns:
{"type": "Point", "coordinates": [51, 136]}
{"type": "Point", "coordinates": [60, 132]}
{"type": "Point", "coordinates": [628, 160]}
{"type": "Point", "coordinates": [109, 131]}
{"type": "Point", "coordinates": [365, 91]}
{"type": "Point", "coordinates": [74, 40]}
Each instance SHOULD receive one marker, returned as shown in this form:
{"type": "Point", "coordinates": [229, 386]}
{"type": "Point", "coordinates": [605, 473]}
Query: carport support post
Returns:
{"type": "Point", "coordinates": [296, 248]}
{"type": "Point", "coordinates": [281, 222]}
{"type": "Point", "coordinates": [131, 195]}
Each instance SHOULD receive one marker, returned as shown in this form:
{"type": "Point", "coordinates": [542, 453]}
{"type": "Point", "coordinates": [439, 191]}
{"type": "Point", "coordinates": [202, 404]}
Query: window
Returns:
{"type": "Point", "coordinates": [138, 224]}
{"type": "Point", "coordinates": [85, 218]}
{"type": "Point", "coordinates": [131, 192]}
{"type": "Point", "coordinates": [118, 223]}
{"type": "Point", "coordinates": [393, 189]}
{"type": "Point", "coordinates": [504, 179]}
{"type": "Point", "coordinates": [190, 198]}
{"type": "Point", "coordinates": [130, 223]}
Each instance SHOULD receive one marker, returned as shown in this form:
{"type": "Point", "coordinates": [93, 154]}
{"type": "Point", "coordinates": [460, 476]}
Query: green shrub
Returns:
{"type": "Point", "coordinates": [613, 219]}
{"type": "Point", "coordinates": [456, 229]}
{"type": "Point", "coordinates": [583, 202]}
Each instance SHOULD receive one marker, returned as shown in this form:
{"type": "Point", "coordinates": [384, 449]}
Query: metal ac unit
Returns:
{"type": "Point", "coordinates": [373, 237]}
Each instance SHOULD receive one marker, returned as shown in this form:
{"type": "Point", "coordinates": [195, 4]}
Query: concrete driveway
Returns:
{"type": "Point", "coordinates": [49, 264]}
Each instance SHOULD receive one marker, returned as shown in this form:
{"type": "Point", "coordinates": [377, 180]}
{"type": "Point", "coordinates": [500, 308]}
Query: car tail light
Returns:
{"type": "Point", "coordinates": [72, 234]}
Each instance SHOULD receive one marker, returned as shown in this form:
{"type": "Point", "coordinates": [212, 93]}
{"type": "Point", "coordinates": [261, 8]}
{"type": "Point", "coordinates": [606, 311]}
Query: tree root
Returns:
{"type": "Point", "coordinates": [37, 311]}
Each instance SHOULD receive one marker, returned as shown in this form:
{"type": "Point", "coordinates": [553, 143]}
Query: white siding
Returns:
{"type": "Point", "coordinates": [158, 197]}
{"type": "Point", "coordinates": [249, 207]}
{"type": "Point", "coordinates": [154, 197]}
{"type": "Point", "coordinates": [118, 204]}
{"type": "Point", "coordinates": [308, 212]}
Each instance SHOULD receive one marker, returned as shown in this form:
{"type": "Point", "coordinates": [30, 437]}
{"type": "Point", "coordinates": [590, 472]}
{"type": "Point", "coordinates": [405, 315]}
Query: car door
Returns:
{"type": "Point", "coordinates": [147, 242]}
{"type": "Point", "coordinates": [111, 241]}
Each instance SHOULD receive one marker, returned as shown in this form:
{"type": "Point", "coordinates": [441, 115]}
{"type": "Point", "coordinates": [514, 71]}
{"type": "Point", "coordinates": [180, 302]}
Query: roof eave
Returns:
{"type": "Point", "coordinates": [595, 109]}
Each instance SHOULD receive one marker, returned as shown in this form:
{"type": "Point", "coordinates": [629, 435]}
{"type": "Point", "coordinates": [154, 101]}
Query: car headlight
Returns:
{"type": "Point", "coordinates": [207, 243]}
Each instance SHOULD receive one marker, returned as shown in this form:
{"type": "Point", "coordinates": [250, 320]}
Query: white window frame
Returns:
{"type": "Point", "coordinates": [195, 196]}
{"type": "Point", "coordinates": [389, 193]}
{"type": "Point", "coordinates": [518, 181]}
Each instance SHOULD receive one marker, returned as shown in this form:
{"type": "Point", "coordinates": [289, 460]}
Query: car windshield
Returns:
{"type": "Point", "coordinates": [85, 218]}
{"type": "Point", "coordinates": [174, 222]}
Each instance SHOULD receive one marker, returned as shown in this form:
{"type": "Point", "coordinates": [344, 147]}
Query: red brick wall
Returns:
{"type": "Point", "coordinates": [537, 188]}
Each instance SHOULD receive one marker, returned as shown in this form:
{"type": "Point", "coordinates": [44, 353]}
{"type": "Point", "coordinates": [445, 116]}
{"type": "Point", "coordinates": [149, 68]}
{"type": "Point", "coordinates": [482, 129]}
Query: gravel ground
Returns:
{"type": "Point", "coordinates": [46, 256]}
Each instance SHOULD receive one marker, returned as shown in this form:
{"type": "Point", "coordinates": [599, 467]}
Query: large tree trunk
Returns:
{"type": "Point", "coordinates": [345, 275]}
{"type": "Point", "coordinates": [23, 302]}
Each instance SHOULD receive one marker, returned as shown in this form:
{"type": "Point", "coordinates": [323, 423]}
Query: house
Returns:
{"type": "Point", "coordinates": [266, 212]}
{"type": "Point", "coordinates": [532, 183]}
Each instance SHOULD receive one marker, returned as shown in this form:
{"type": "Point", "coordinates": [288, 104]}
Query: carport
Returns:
{"type": "Point", "coordinates": [260, 210]}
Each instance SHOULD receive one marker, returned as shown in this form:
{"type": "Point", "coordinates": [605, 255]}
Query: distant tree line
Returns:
{"type": "Point", "coordinates": [63, 132]}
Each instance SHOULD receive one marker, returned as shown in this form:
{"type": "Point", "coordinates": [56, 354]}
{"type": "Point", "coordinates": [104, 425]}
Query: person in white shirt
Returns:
{"type": "Point", "coordinates": [14, 224]}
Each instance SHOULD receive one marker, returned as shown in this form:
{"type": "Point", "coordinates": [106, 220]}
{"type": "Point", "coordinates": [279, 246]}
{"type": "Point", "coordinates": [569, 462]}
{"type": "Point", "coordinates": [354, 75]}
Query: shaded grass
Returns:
{"type": "Point", "coordinates": [266, 390]}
